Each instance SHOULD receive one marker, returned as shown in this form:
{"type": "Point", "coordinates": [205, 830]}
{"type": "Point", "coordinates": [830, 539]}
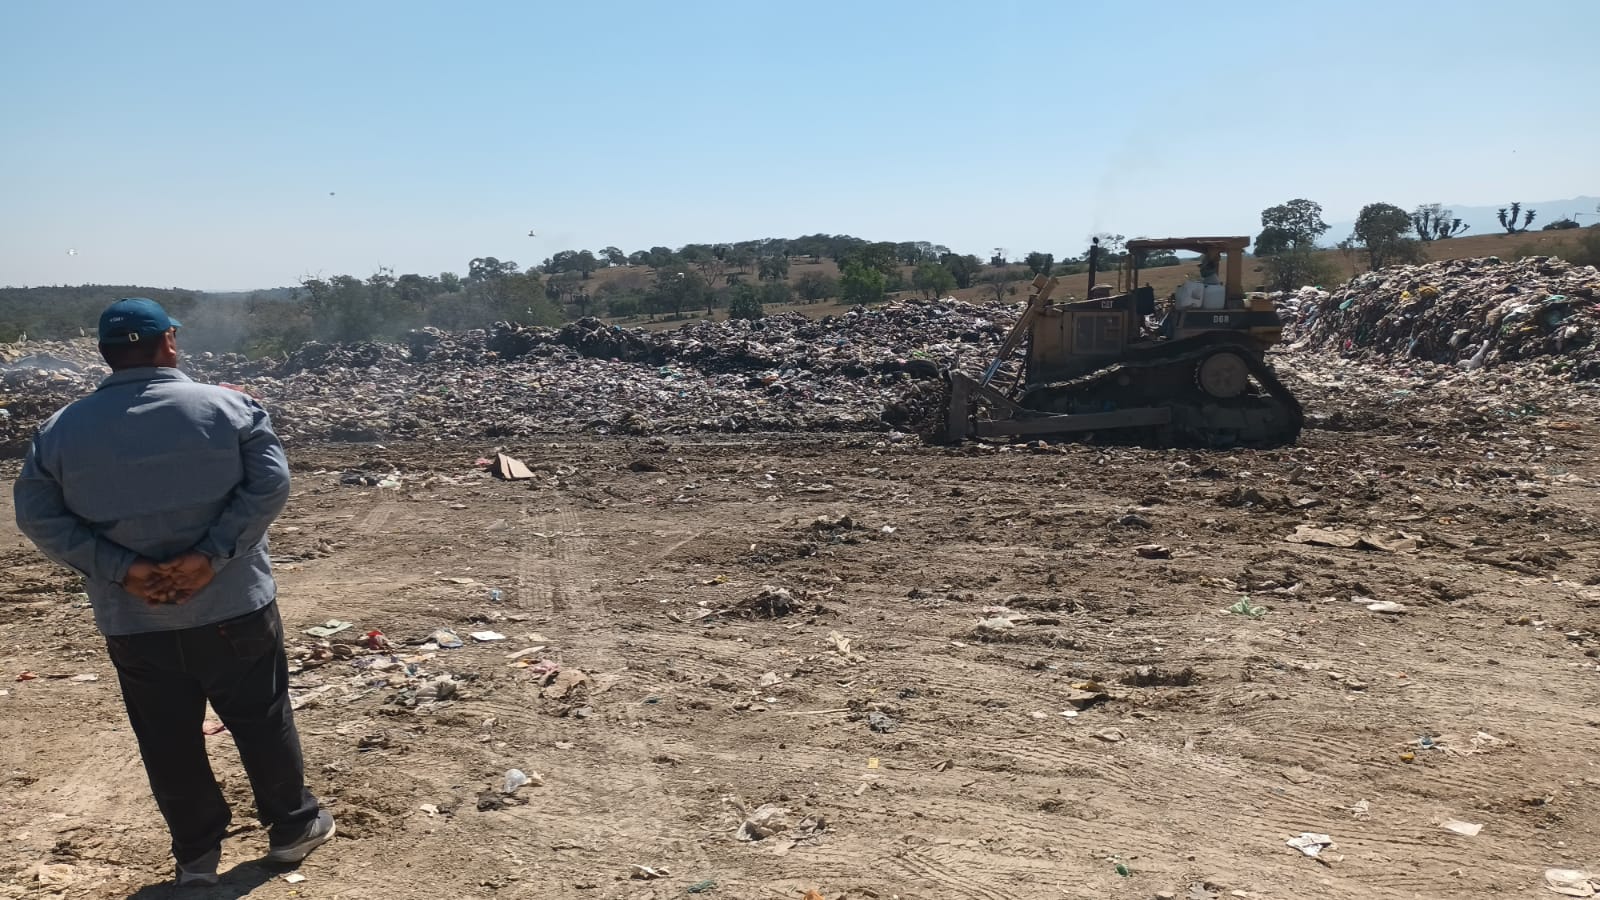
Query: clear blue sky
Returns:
{"type": "Point", "coordinates": [196, 144]}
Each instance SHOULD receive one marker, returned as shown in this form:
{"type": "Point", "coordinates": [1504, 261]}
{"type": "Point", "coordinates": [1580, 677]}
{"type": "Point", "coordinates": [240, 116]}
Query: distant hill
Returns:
{"type": "Point", "coordinates": [1484, 219]}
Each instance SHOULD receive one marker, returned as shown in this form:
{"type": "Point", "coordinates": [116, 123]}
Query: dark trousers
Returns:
{"type": "Point", "coordinates": [239, 665]}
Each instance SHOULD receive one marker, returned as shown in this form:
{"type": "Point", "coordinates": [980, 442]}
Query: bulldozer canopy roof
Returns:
{"type": "Point", "coordinates": [1192, 244]}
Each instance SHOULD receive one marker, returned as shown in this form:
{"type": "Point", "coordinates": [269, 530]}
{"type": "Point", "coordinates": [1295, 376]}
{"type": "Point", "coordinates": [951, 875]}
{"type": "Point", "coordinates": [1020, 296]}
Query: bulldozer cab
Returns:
{"type": "Point", "coordinates": [1221, 262]}
{"type": "Point", "coordinates": [1071, 339]}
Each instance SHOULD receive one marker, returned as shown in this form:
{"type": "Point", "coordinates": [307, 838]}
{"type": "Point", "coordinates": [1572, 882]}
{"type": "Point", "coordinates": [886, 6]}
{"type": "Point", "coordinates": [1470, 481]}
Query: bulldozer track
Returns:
{"type": "Point", "coordinates": [1164, 356]}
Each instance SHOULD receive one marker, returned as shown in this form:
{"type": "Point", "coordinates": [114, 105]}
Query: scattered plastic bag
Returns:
{"type": "Point", "coordinates": [1243, 608]}
{"type": "Point", "coordinates": [1310, 843]}
{"type": "Point", "coordinates": [1572, 882]}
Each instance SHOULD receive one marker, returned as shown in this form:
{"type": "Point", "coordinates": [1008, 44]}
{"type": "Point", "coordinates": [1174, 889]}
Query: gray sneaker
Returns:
{"type": "Point", "coordinates": [201, 872]}
{"type": "Point", "coordinates": [319, 832]}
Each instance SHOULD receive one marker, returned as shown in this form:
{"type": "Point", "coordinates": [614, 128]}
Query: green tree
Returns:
{"type": "Point", "coordinates": [522, 298]}
{"type": "Point", "coordinates": [587, 263]}
{"type": "Point", "coordinates": [614, 256]}
{"type": "Point", "coordinates": [1382, 229]}
{"type": "Point", "coordinates": [561, 286]}
{"type": "Point", "coordinates": [582, 302]}
{"type": "Point", "coordinates": [491, 292]}
{"type": "Point", "coordinates": [963, 268]}
{"type": "Point", "coordinates": [623, 295]}
{"type": "Point", "coordinates": [338, 308]}
{"type": "Point", "coordinates": [393, 311]}
{"type": "Point", "coordinates": [711, 261]}
{"type": "Point", "coordinates": [1297, 267]}
{"type": "Point", "coordinates": [1293, 225]}
{"type": "Point", "coordinates": [416, 290]}
{"type": "Point", "coordinates": [834, 246]}
{"type": "Point", "coordinates": [1288, 241]}
{"type": "Point", "coordinates": [273, 326]}
{"type": "Point", "coordinates": [345, 308]}
{"type": "Point", "coordinates": [880, 256]}
{"type": "Point", "coordinates": [581, 261]}
{"type": "Point", "coordinates": [741, 257]}
{"type": "Point", "coordinates": [861, 284]}
{"type": "Point", "coordinates": [933, 280]}
{"type": "Point", "coordinates": [774, 268]}
{"type": "Point", "coordinates": [487, 268]}
{"type": "Point", "coordinates": [624, 306]}
{"type": "Point", "coordinates": [679, 287]}
{"type": "Point", "coordinates": [1040, 263]}
{"type": "Point", "coordinates": [744, 303]}
{"type": "Point", "coordinates": [914, 253]}
{"type": "Point", "coordinates": [814, 286]}
{"type": "Point", "coordinates": [999, 281]}
{"type": "Point", "coordinates": [1274, 240]}
{"type": "Point", "coordinates": [776, 293]}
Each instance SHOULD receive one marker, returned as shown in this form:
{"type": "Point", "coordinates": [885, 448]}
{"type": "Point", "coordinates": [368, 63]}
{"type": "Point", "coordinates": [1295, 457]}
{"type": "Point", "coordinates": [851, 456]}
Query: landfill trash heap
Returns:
{"type": "Point", "coordinates": [782, 373]}
{"type": "Point", "coordinates": [36, 379]}
{"type": "Point", "coordinates": [1539, 312]}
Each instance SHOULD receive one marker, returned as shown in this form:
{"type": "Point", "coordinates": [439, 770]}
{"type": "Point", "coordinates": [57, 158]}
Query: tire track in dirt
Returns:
{"type": "Point", "coordinates": [825, 753]}
{"type": "Point", "coordinates": [1277, 744]}
{"type": "Point", "coordinates": [378, 518]}
{"type": "Point", "coordinates": [946, 874]}
{"type": "Point", "coordinates": [632, 803]}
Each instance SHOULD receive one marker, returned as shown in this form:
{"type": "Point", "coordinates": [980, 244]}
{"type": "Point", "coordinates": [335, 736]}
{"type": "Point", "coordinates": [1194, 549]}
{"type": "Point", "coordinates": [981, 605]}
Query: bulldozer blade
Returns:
{"type": "Point", "coordinates": [1067, 424]}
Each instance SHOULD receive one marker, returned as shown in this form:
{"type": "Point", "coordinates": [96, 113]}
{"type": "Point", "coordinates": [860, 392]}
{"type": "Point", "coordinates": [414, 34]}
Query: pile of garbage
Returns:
{"type": "Point", "coordinates": [1474, 313]}
{"type": "Point", "coordinates": [782, 373]}
{"type": "Point", "coordinates": [1462, 341]}
{"type": "Point", "coordinates": [862, 342]}
{"type": "Point", "coordinates": [36, 379]}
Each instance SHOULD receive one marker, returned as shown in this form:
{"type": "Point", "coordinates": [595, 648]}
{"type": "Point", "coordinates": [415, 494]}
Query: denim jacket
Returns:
{"type": "Point", "coordinates": [153, 464]}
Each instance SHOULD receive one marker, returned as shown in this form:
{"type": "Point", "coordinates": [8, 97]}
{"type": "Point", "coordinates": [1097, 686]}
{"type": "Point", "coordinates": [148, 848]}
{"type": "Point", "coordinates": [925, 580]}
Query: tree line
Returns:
{"type": "Point", "coordinates": [1384, 235]}
{"type": "Point", "coordinates": [745, 278]}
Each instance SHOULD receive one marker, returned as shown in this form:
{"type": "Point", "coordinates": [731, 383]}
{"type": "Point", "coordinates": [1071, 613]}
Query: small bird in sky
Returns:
{"type": "Point", "coordinates": [72, 253]}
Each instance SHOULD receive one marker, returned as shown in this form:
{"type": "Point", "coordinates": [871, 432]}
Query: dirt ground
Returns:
{"type": "Point", "coordinates": [918, 754]}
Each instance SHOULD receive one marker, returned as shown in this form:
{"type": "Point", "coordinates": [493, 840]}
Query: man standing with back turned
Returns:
{"type": "Point", "coordinates": [159, 492]}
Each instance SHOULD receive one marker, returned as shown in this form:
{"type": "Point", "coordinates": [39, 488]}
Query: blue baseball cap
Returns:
{"type": "Point", "coordinates": [133, 319]}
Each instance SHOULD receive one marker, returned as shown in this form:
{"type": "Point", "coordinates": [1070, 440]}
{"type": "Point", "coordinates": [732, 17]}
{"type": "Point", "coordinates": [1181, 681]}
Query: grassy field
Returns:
{"type": "Point", "coordinates": [1164, 280]}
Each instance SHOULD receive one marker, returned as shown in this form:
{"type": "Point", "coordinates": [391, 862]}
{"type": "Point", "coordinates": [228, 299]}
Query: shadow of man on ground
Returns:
{"type": "Point", "coordinates": [239, 881]}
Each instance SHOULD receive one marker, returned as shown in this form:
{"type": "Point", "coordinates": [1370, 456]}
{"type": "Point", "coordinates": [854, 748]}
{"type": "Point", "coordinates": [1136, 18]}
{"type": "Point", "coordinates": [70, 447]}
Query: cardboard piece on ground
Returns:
{"type": "Point", "coordinates": [510, 468]}
{"type": "Point", "coordinates": [1350, 539]}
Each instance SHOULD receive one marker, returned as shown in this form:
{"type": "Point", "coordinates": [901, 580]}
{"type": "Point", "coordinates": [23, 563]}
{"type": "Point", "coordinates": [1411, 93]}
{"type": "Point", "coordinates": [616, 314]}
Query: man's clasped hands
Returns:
{"type": "Point", "coordinates": [173, 581]}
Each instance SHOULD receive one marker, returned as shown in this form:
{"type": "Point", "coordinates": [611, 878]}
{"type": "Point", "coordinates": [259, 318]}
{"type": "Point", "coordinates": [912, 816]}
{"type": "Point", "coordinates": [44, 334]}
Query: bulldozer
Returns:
{"type": "Point", "coordinates": [1099, 369]}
